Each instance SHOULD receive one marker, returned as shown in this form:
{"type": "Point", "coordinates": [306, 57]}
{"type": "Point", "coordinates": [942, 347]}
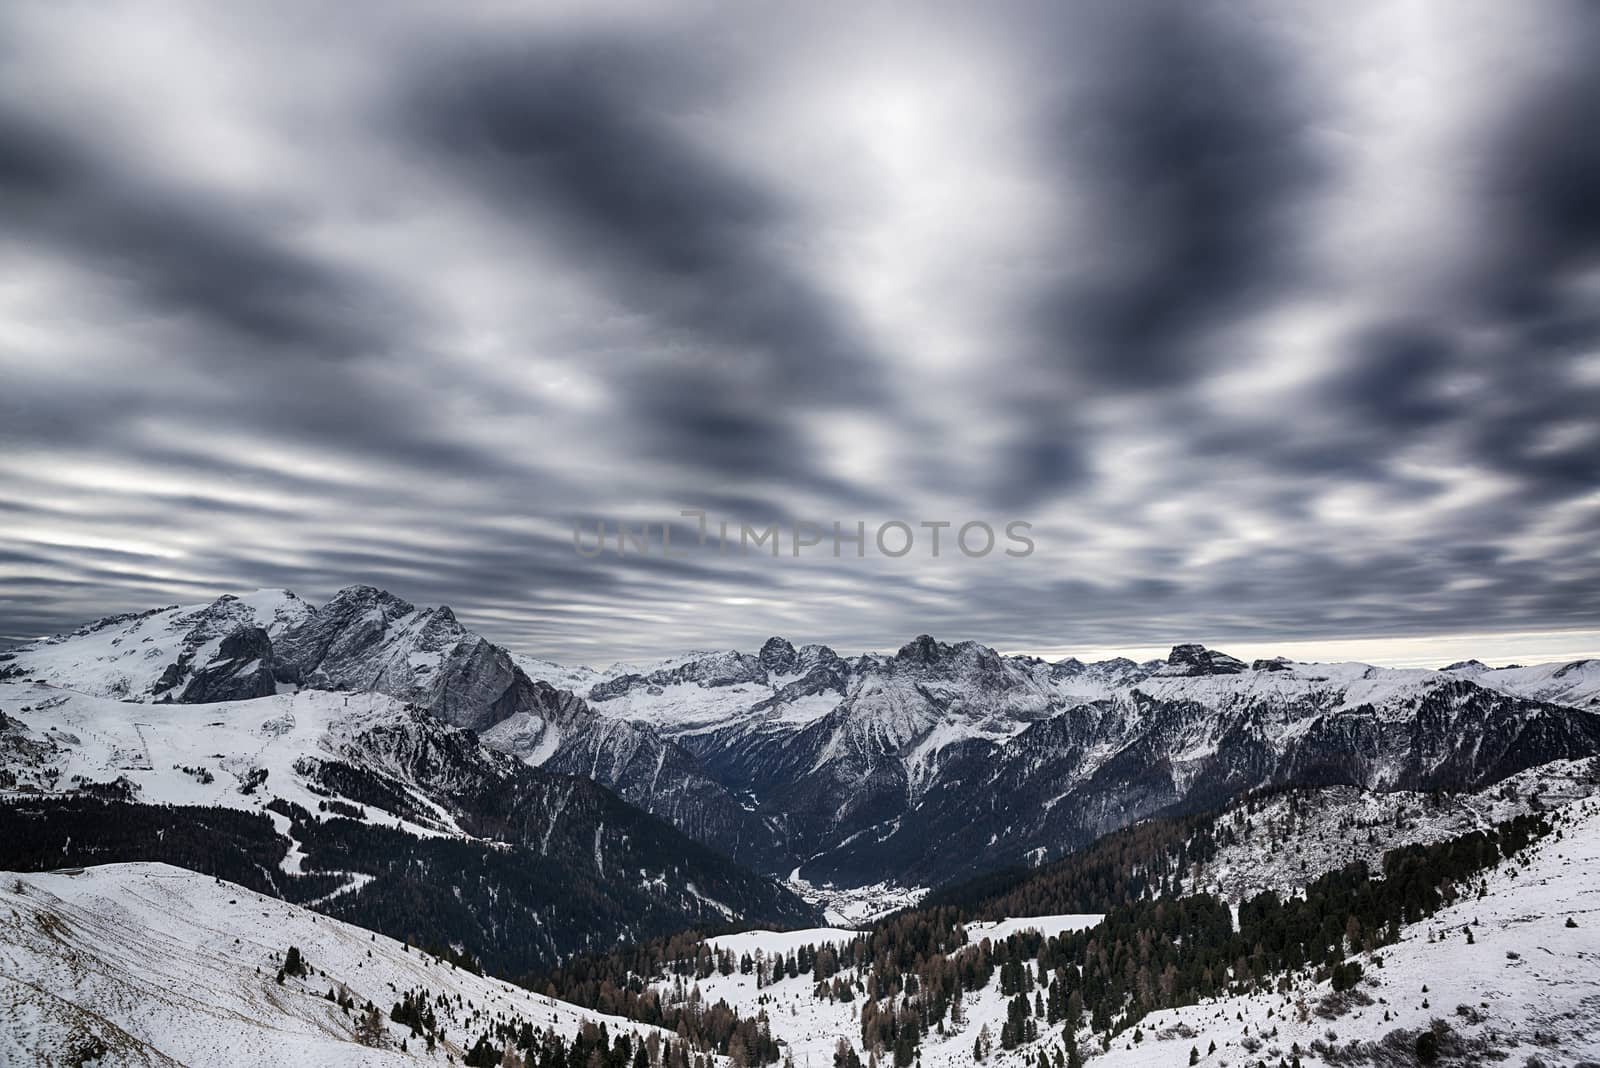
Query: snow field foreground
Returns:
{"type": "Point", "coordinates": [150, 964]}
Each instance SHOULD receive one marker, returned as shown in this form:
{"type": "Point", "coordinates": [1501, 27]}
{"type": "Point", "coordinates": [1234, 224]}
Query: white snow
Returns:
{"type": "Point", "coordinates": [100, 740]}
{"type": "Point", "coordinates": [770, 942]}
{"type": "Point", "coordinates": [168, 967]}
{"type": "Point", "coordinates": [1529, 978]}
{"type": "Point", "coordinates": [1000, 930]}
{"type": "Point", "coordinates": [124, 659]}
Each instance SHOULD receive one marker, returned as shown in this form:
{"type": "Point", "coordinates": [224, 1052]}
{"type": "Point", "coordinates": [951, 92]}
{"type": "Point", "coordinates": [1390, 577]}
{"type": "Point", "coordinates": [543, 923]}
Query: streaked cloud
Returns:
{"type": "Point", "coordinates": [1279, 322]}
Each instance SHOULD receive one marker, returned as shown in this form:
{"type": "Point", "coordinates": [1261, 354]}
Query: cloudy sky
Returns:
{"type": "Point", "coordinates": [1279, 323]}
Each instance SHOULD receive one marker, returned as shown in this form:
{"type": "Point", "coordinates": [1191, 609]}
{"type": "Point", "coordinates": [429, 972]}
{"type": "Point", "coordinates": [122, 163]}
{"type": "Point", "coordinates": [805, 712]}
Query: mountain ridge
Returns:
{"type": "Point", "coordinates": [928, 763]}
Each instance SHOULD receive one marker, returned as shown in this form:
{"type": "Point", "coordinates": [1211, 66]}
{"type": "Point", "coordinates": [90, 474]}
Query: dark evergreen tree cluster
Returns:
{"type": "Point", "coordinates": [1148, 859]}
{"type": "Point", "coordinates": [514, 911]}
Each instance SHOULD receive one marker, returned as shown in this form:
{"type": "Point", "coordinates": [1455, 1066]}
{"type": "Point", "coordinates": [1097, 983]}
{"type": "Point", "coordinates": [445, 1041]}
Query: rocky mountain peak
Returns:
{"type": "Point", "coordinates": [923, 649]}
{"type": "Point", "coordinates": [368, 597]}
{"type": "Point", "coordinates": [779, 657]}
{"type": "Point", "coordinates": [1195, 659]}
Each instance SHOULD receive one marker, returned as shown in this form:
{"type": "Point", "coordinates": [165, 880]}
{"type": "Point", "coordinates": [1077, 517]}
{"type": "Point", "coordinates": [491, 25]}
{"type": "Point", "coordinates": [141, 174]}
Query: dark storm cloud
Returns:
{"type": "Point", "coordinates": [1278, 322]}
{"type": "Point", "coordinates": [588, 143]}
{"type": "Point", "coordinates": [1188, 142]}
{"type": "Point", "coordinates": [207, 262]}
{"type": "Point", "coordinates": [1192, 140]}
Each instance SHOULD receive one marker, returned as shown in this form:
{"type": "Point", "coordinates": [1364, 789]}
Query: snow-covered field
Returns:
{"type": "Point", "coordinates": [166, 967]}
{"type": "Point", "coordinates": [74, 738]}
{"type": "Point", "coordinates": [770, 942]}
{"type": "Point", "coordinates": [1000, 930]}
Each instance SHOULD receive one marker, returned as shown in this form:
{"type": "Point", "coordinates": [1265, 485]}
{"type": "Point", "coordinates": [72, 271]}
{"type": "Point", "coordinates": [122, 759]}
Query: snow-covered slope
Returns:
{"type": "Point", "coordinates": [1522, 988]}
{"type": "Point", "coordinates": [1280, 841]}
{"type": "Point", "coordinates": [148, 964]}
{"type": "Point", "coordinates": [810, 1027]}
{"type": "Point", "coordinates": [149, 655]}
{"type": "Point", "coordinates": [1576, 683]}
{"type": "Point", "coordinates": [59, 741]}
{"type": "Point", "coordinates": [396, 815]}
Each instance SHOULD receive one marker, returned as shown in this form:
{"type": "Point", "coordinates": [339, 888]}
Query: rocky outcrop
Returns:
{"type": "Point", "coordinates": [241, 669]}
{"type": "Point", "coordinates": [369, 639]}
{"type": "Point", "coordinates": [778, 656]}
{"type": "Point", "coordinates": [1188, 661]}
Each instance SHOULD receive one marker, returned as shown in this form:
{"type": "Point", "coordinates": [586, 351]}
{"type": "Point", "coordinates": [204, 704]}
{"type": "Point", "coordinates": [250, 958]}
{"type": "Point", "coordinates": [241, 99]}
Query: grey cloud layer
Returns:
{"type": "Point", "coordinates": [1274, 324]}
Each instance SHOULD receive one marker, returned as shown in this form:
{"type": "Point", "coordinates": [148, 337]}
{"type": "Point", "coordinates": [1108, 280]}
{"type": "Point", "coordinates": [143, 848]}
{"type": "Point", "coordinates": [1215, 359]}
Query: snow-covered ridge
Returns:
{"type": "Point", "coordinates": [150, 964]}
{"type": "Point", "coordinates": [131, 657]}
{"type": "Point", "coordinates": [182, 754]}
{"type": "Point", "coordinates": [939, 760]}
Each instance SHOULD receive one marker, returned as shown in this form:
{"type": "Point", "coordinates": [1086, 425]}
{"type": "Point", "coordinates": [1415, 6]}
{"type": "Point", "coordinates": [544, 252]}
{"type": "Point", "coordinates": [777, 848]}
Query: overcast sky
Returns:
{"type": "Point", "coordinates": [1280, 323]}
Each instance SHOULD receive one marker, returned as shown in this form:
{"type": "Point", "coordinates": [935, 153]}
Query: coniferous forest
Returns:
{"type": "Point", "coordinates": [1152, 950]}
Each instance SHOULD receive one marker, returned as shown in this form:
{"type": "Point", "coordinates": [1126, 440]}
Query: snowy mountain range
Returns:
{"type": "Point", "coordinates": [385, 766]}
{"type": "Point", "coordinates": [914, 768]}
{"type": "Point", "coordinates": [367, 807]}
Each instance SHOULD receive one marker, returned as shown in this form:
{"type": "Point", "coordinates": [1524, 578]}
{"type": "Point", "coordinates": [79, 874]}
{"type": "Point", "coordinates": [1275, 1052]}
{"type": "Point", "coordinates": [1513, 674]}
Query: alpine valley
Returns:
{"type": "Point", "coordinates": [624, 840]}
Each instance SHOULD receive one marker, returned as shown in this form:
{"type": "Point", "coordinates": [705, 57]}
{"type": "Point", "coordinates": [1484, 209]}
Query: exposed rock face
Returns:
{"type": "Point", "coordinates": [823, 673]}
{"type": "Point", "coordinates": [778, 657]}
{"type": "Point", "coordinates": [1193, 660]}
{"type": "Point", "coordinates": [368, 639]}
{"type": "Point", "coordinates": [1277, 663]}
{"type": "Point", "coordinates": [241, 669]}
